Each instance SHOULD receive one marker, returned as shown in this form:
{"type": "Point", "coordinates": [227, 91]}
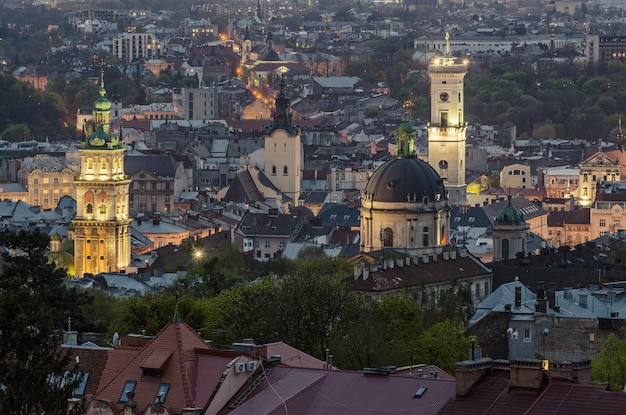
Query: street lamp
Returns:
{"type": "Point", "coordinates": [198, 254]}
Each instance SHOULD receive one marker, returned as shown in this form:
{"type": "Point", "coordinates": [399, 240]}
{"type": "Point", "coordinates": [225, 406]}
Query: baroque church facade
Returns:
{"type": "Point", "coordinates": [102, 227]}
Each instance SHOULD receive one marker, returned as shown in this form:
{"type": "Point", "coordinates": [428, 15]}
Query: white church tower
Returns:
{"type": "Point", "coordinates": [447, 126]}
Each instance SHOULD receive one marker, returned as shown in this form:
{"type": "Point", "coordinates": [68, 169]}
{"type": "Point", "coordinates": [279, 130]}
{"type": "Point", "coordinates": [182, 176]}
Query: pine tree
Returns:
{"type": "Point", "coordinates": [35, 372]}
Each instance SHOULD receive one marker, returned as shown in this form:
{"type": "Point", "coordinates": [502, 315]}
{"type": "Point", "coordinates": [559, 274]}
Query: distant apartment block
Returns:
{"type": "Point", "coordinates": [601, 49]}
{"type": "Point", "coordinates": [131, 46]}
{"type": "Point", "coordinates": [195, 103]}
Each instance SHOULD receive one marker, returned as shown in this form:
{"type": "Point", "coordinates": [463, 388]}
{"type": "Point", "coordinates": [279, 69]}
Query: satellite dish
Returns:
{"type": "Point", "coordinates": [509, 331]}
{"type": "Point", "coordinates": [116, 339]}
{"type": "Point", "coordinates": [546, 332]}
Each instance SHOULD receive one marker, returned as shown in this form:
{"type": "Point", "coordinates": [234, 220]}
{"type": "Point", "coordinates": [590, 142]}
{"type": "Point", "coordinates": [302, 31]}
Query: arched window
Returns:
{"type": "Point", "coordinates": [505, 248]}
{"type": "Point", "coordinates": [285, 171]}
{"type": "Point", "coordinates": [585, 178]}
{"type": "Point", "coordinates": [103, 209]}
{"type": "Point", "coordinates": [273, 170]}
{"type": "Point", "coordinates": [89, 208]}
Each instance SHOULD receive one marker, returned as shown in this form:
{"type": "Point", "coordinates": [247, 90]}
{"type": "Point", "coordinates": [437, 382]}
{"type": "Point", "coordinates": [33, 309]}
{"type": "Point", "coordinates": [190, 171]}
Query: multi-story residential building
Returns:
{"type": "Point", "coordinates": [46, 179]}
{"type": "Point", "coordinates": [153, 111]}
{"type": "Point", "coordinates": [131, 46]}
{"type": "Point", "coordinates": [608, 214]}
{"type": "Point", "coordinates": [156, 181]}
{"type": "Point", "coordinates": [601, 49]}
{"type": "Point", "coordinates": [348, 178]}
{"type": "Point", "coordinates": [559, 182]}
{"type": "Point", "coordinates": [264, 235]}
{"type": "Point", "coordinates": [195, 103]}
{"type": "Point", "coordinates": [515, 176]}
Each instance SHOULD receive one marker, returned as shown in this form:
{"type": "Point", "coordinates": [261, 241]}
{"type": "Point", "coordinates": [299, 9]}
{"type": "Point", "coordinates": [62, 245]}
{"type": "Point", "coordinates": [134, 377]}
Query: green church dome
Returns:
{"type": "Point", "coordinates": [510, 215]}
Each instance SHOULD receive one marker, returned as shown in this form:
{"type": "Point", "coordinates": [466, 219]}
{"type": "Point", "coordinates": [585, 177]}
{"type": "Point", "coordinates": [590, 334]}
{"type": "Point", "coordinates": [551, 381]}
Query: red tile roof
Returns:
{"type": "Point", "coordinates": [172, 352]}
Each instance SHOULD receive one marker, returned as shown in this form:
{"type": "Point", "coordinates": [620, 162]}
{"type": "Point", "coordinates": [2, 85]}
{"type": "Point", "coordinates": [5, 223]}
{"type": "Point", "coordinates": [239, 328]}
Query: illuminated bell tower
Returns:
{"type": "Point", "coordinates": [102, 240]}
{"type": "Point", "coordinates": [447, 126]}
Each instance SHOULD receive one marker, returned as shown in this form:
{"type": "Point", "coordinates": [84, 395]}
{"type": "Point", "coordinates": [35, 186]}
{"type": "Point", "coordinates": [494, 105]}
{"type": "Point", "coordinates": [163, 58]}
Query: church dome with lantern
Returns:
{"type": "Point", "coordinates": [404, 204]}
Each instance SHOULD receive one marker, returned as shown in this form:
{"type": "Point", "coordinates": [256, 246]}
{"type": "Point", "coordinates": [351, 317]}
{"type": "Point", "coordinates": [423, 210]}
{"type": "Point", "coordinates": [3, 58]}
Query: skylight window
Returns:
{"type": "Point", "coordinates": [80, 389]}
{"type": "Point", "coordinates": [420, 392]}
{"type": "Point", "coordinates": [161, 394]}
{"type": "Point", "coordinates": [128, 388]}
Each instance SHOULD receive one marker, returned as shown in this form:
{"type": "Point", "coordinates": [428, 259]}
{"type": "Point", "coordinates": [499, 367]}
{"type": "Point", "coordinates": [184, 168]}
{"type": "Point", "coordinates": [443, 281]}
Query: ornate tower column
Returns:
{"type": "Point", "coordinates": [447, 126]}
{"type": "Point", "coordinates": [102, 227]}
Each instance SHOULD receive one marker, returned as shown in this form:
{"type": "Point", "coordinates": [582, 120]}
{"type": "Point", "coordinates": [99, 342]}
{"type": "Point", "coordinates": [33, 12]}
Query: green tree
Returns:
{"type": "Point", "coordinates": [443, 344]}
{"type": "Point", "coordinates": [16, 132]}
{"type": "Point", "coordinates": [610, 366]}
{"type": "Point", "coordinates": [35, 372]}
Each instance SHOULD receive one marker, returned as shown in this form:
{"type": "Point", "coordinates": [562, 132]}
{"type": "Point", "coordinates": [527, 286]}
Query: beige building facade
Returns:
{"type": "Point", "coordinates": [283, 149]}
{"type": "Point", "coordinates": [46, 179]}
{"type": "Point", "coordinates": [515, 176]}
{"type": "Point", "coordinates": [404, 205]}
{"type": "Point", "coordinates": [447, 127]}
{"type": "Point", "coordinates": [594, 171]}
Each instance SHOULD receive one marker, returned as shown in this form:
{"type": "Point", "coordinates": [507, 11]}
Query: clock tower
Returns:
{"type": "Point", "coordinates": [102, 240]}
{"type": "Point", "coordinates": [447, 126]}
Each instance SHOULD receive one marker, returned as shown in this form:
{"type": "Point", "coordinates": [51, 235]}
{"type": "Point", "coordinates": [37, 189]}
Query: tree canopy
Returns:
{"type": "Point", "coordinates": [35, 372]}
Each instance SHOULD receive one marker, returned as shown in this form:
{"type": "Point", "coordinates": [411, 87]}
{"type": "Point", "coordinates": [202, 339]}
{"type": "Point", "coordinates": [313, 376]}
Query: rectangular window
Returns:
{"type": "Point", "coordinates": [444, 119]}
{"type": "Point", "coordinates": [526, 335]}
{"type": "Point", "coordinates": [602, 222]}
{"type": "Point", "coordinates": [268, 244]}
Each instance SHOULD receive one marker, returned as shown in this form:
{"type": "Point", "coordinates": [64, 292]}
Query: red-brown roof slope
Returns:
{"type": "Point", "coordinates": [332, 392]}
{"type": "Point", "coordinates": [171, 352]}
{"type": "Point", "coordinates": [491, 396]}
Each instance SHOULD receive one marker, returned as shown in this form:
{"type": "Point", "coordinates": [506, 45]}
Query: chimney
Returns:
{"type": "Point", "coordinates": [366, 273]}
{"type": "Point", "coordinates": [446, 255]}
{"type": "Point", "coordinates": [518, 297]}
{"type": "Point", "coordinates": [469, 372]}
{"type": "Point", "coordinates": [552, 296]}
{"type": "Point", "coordinates": [581, 370]}
{"type": "Point", "coordinates": [541, 293]}
{"type": "Point", "coordinates": [399, 262]}
{"type": "Point", "coordinates": [560, 370]}
{"type": "Point", "coordinates": [453, 254]}
{"type": "Point", "coordinates": [425, 258]}
{"type": "Point", "coordinates": [582, 300]}
{"type": "Point", "coordinates": [526, 374]}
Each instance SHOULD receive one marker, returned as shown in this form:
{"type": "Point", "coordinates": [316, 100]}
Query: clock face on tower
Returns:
{"type": "Point", "coordinates": [444, 97]}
